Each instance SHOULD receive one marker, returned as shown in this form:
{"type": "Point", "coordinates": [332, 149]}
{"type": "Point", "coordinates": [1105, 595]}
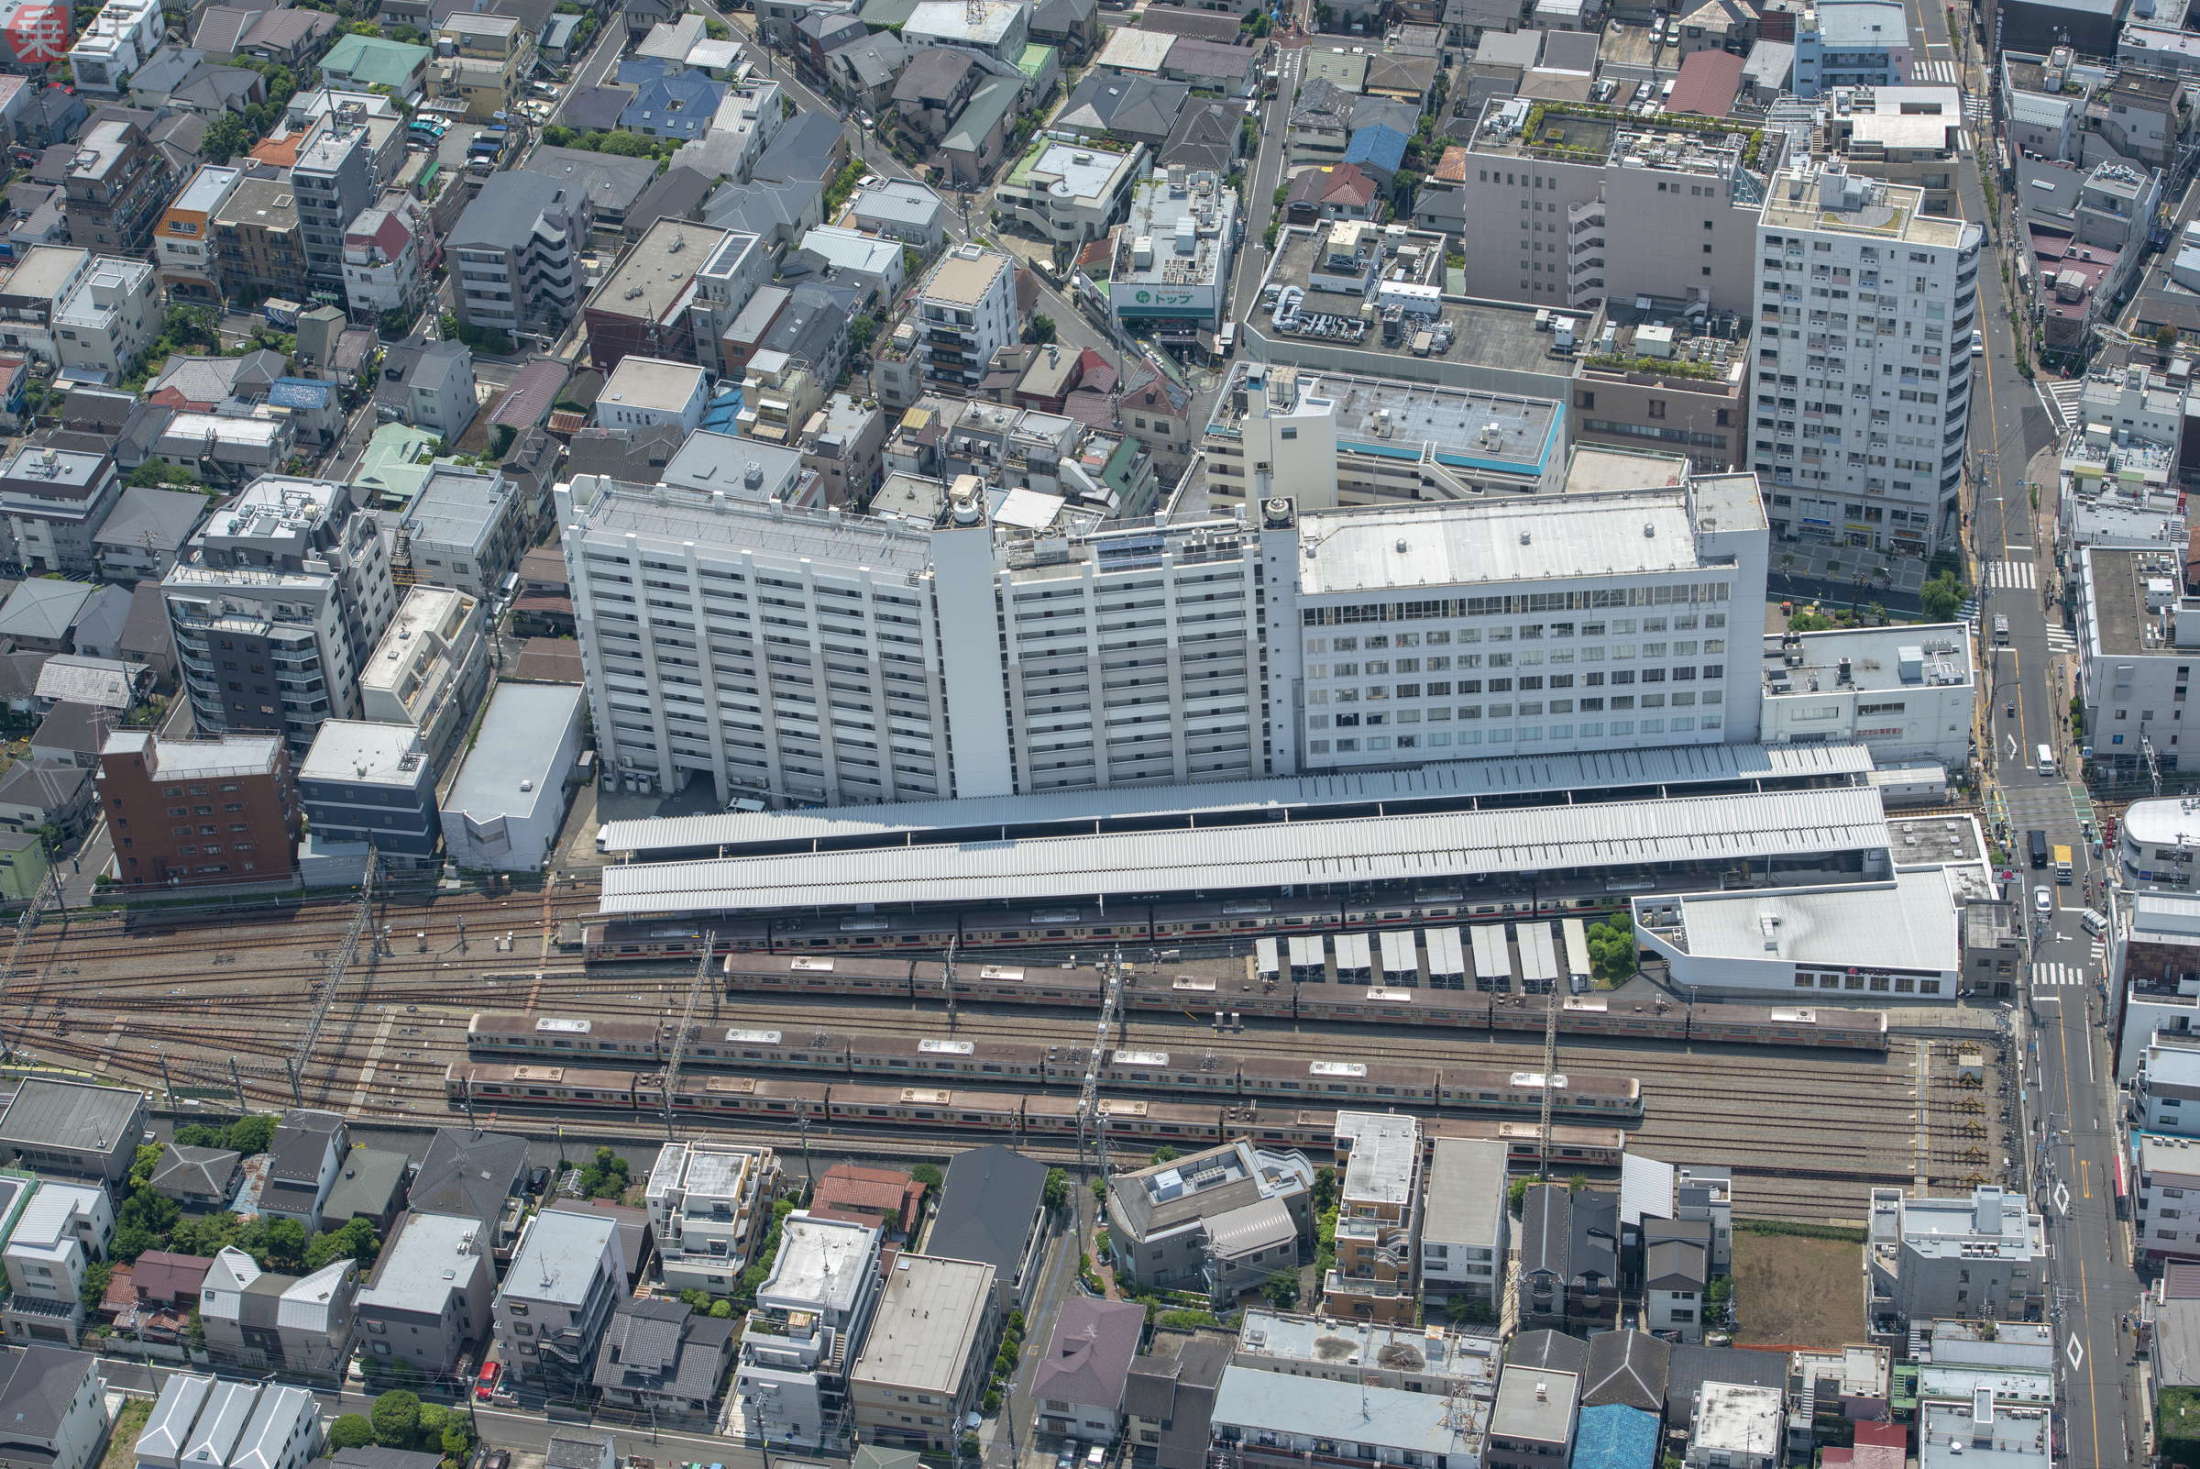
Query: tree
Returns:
{"type": "Point", "coordinates": [862, 331]}
{"type": "Point", "coordinates": [249, 1135]}
{"type": "Point", "coordinates": [226, 136]}
{"type": "Point", "coordinates": [1809, 619]}
{"type": "Point", "coordinates": [396, 1419]}
{"type": "Point", "coordinates": [1040, 330]}
{"type": "Point", "coordinates": [1516, 1194]}
{"type": "Point", "coordinates": [606, 1176]}
{"type": "Point", "coordinates": [94, 1289]}
{"type": "Point", "coordinates": [1612, 954]}
{"type": "Point", "coordinates": [721, 1310]}
{"type": "Point", "coordinates": [1942, 597]}
{"type": "Point", "coordinates": [207, 1235]}
{"type": "Point", "coordinates": [350, 1431]}
{"type": "Point", "coordinates": [278, 1244]}
{"type": "Point", "coordinates": [356, 1239]}
{"type": "Point", "coordinates": [1056, 1191]}
{"type": "Point", "coordinates": [141, 1168]}
{"type": "Point", "coordinates": [927, 1174]}
{"type": "Point", "coordinates": [1281, 1289]}
{"type": "Point", "coordinates": [1164, 1154]}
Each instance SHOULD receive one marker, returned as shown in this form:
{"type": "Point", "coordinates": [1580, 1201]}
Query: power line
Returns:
{"type": "Point", "coordinates": [362, 920]}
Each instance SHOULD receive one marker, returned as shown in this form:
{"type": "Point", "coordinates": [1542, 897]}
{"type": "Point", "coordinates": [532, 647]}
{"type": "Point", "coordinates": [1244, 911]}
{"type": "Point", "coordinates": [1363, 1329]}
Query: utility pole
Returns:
{"type": "Point", "coordinates": [1550, 1064]}
{"type": "Point", "coordinates": [687, 1024]}
{"type": "Point", "coordinates": [1092, 1132]}
{"type": "Point", "coordinates": [362, 921]}
{"type": "Point", "coordinates": [947, 981]}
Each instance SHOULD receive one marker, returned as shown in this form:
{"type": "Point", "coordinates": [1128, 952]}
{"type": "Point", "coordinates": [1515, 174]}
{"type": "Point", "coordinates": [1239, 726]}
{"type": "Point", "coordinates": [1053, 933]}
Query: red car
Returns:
{"type": "Point", "coordinates": [486, 1387]}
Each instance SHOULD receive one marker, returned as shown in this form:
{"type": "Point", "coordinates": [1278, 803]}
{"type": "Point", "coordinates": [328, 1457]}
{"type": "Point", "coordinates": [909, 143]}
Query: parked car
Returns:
{"type": "Point", "coordinates": [485, 1387]}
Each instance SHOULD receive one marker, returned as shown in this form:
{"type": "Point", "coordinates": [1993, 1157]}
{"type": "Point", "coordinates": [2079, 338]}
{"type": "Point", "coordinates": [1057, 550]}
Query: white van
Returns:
{"type": "Point", "coordinates": [2094, 923]}
{"type": "Point", "coordinates": [2044, 760]}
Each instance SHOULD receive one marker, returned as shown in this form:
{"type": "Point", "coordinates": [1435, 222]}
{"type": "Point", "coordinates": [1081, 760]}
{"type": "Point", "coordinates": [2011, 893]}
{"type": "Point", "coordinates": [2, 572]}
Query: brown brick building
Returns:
{"type": "Point", "coordinates": [198, 811]}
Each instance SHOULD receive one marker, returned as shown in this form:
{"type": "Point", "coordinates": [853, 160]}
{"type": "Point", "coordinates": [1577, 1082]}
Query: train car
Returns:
{"type": "Point", "coordinates": [864, 932]}
{"type": "Point", "coordinates": [1282, 1127]}
{"type": "Point", "coordinates": [790, 1050]}
{"type": "Point", "coordinates": [1751, 1025]}
{"type": "Point", "coordinates": [932, 1056]}
{"type": "Point", "coordinates": [495, 1083]}
{"type": "Point", "coordinates": [1243, 916]}
{"type": "Point", "coordinates": [765, 1098]}
{"type": "Point", "coordinates": [1447, 960]}
{"type": "Point", "coordinates": [1011, 984]}
{"type": "Point", "coordinates": [1143, 1069]}
{"type": "Point", "coordinates": [1355, 959]}
{"type": "Point", "coordinates": [1351, 1083]}
{"type": "Point", "coordinates": [504, 1033]}
{"type": "Point", "coordinates": [1493, 967]}
{"type": "Point", "coordinates": [1576, 1094]}
{"type": "Point", "coordinates": [747, 971]}
{"type": "Point", "coordinates": [1574, 1146]}
{"type": "Point", "coordinates": [1063, 923]}
{"type": "Point", "coordinates": [1399, 960]}
{"type": "Point", "coordinates": [1425, 905]}
{"type": "Point", "coordinates": [928, 1106]}
{"type": "Point", "coordinates": [1538, 958]}
{"type": "Point", "coordinates": [642, 939]}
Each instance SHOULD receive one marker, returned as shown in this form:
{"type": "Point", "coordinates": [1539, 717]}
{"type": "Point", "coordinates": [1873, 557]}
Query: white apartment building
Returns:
{"type": "Point", "coordinates": [2166, 1202]}
{"type": "Point", "coordinates": [2138, 638]}
{"type": "Point", "coordinates": [705, 1201]}
{"type": "Point", "coordinates": [383, 248]}
{"type": "Point", "coordinates": [429, 669]}
{"type": "Point", "coordinates": [1865, 307]}
{"type": "Point", "coordinates": [1732, 1425]}
{"type": "Point", "coordinates": [556, 1299]}
{"type": "Point", "coordinates": [966, 311]}
{"type": "Point", "coordinates": [111, 316]}
{"type": "Point", "coordinates": [1069, 191]}
{"type": "Point", "coordinates": [1978, 1258]}
{"type": "Point", "coordinates": [649, 392]}
{"type": "Point", "coordinates": [274, 605]}
{"type": "Point", "coordinates": [1464, 1221]}
{"type": "Point", "coordinates": [2158, 844]}
{"type": "Point", "coordinates": [465, 529]}
{"type": "Point", "coordinates": [59, 1231]}
{"type": "Point", "coordinates": [1905, 693]}
{"type": "Point", "coordinates": [810, 1316]}
{"type": "Point", "coordinates": [1573, 205]}
{"type": "Point", "coordinates": [117, 42]}
{"type": "Point", "coordinates": [1143, 654]}
{"type": "Point", "coordinates": [2167, 1082]}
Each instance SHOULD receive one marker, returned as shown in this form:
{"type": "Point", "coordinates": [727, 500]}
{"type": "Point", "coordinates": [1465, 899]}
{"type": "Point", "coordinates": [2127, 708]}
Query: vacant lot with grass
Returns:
{"type": "Point", "coordinates": [122, 1442]}
{"type": "Point", "coordinates": [1795, 1292]}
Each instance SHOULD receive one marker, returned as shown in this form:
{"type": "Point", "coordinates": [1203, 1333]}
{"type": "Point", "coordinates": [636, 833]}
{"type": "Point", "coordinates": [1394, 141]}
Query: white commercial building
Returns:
{"type": "Point", "coordinates": [119, 40]}
{"type": "Point", "coordinates": [2157, 844]}
{"type": "Point", "coordinates": [1981, 1257]}
{"type": "Point", "coordinates": [2165, 1224]}
{"type": "Point", "coordinates": [2138, 638]}
{"type": "Point", "coordinates": [1173, 255]}
{"type": "Point", "coordinates": [965, 312]}
{"type": "Point", "coordinates": [1865, 307]}
{"type": "Point", "coordinates": [1904, 693]}
{"type": "Point", "coordinates": [1898, 938]}
{"type": "Point", "coordinates": [705, 1199]}
{"type": "Point", "coordinates": [2167, 1082]}
{"type": "Point", "coordinates": [429, 669]}
{"type": "Point", "coordinates": [106, 323]}
{"type": "Point", "coordinates": [1464, 1220]}
{"type": "Point", "coordinates": [811, 1313]}
{"type": "Point", "coordinates": [1069, 191]}
{"type": "Point", "coordinates": [504, 810]}
{"type": "Point", "coordinates": [650, 392]}
{"type": "Point", "coordinates": [1154, 654]}
{"type": "Point", "coordinates": [1735, 1426]}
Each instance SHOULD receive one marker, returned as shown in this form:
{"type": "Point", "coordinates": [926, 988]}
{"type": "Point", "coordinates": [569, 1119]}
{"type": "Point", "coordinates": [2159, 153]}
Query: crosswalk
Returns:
{"type": "Point", "coordinates": [2063, 399]}
{"type": "Point", "coordinates": [2053, 975]}
{"type": "Point", "coordinates": [1926, 73]}
{"type": "Point", "coordinates": [1977, 108]}
{"type": "Point", "coordinates": [2012, 575]}
{"type": "Point", "coordinates": [2061, 640]}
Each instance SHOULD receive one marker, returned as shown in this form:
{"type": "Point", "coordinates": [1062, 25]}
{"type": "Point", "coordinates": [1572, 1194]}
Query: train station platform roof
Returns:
{"type": "Point", "coordinates": [1237, 803]}
{"type": "Point", "coordinates": [1430, 847]}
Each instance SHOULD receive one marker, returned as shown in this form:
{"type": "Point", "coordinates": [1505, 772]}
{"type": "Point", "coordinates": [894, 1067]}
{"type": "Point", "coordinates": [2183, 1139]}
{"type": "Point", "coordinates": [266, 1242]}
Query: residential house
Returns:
{"type": "Point", "coordinates": [55, 501]}
{"type": "Point", "coordinates": [1222, 1220]}
{"type": "Point", "coordinates": [205, 1423]}
{"type": "Point", "coordinates": [53, 1409]}
{"type": "Point", "coordinates": [993, 1210]}
{"type": "Point", "coordinates": [144, 532]}
{"type": "Point", "coordinates": [1534, 1418]}
{"type": "Point", "coordinates": [427, 1303]}
{"type": "Point", "coordinates": [1567, 1262]}
{"type": "Point", "coordinates": [108, 321]}
{"type": "Point", "coordinates": [556, 1300]}
{"type": "Point", "coordinates": [664, 1358]}
{"type": "Point", "coordinates": [1465, 1224]}
{"type": "Point", "coordinates": [364, 63]}
{"type": "Point", "coordinates": [429, 384]}
{"type": "Point", "coordinates": [476, 1175]}
{"type": "Point", "coordinates": [887, 1199]}
{"type": "Point", "coordinates": [1169, 1398]}
{"type": "Point", "coordinates": [198, 1178]}
{"type": "Point", "coordinates": [57, 1232]}
{"type": "Point", "coordinates": [706, 1202]}
{"type": "Point", "coordinates": [811, 1314]}
{"type": "Point", "coordinates": [1676, 1273]}
{"type": "Point", "coordinates": [1079, 1386]}
{"type": "Point", "coordinates": [303, 1160]}
{"type": "Point", "coordinates": [927, 1357]}
{"type": "Point", "coordinates": [256, 1321]}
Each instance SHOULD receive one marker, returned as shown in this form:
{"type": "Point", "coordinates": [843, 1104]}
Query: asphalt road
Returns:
{"type": "Point", "coordinates": [2068, 1081]}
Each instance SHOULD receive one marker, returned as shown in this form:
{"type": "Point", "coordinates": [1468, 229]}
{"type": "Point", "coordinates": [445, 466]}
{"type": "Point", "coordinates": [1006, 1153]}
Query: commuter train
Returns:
{"type": "Point", "coordinates": [1132, 923]}
{"type": "Point", "coordinates": [1194, 1069]}
{"type": "Point", "coordinates": [1226, 987]}
{"type": "Point", "coordinates": [1036, 1115]}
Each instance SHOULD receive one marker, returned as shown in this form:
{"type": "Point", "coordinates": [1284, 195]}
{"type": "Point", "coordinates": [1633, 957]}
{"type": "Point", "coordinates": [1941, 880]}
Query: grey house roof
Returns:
{"type": "Point", "coordinates": [68, 1114]}
{"type": "Point", "coordinates": [196, 1172]}
{"type": "Point", "coordinates": [1553, 1350]}
{"type": "Point", "coordinates": [37, 1384]}
{"type": "Point", "coordinates": [612, 183]}
{"type": "Point", "coordinates": [43, 786]}
{"type": "Point", "coordinates": [469, 1174]}
{"type": "Point", "coordinates": [660, 1346]}
{"type": "Point", "coordinates": [1692, 1367]}
{"type": "Point", "coordinates": [1629, 1367]}
{"type": "Point", "coordinates": [1135, 105]}
{"type": "Point", "coordinates": [503, 214]}
{"type": "Point", "coordinates": [1088, 1361]}
{"type": "Point", "coordinates": [146, 517]}
{"type": "Point", "coordinates": [986, 1207]}
{"type": "Point", "coordinates": [1205, 137]}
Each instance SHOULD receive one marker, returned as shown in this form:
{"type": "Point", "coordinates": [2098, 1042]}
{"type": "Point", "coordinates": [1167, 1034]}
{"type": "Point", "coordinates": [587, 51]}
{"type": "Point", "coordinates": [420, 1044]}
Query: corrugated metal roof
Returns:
{"type": "Point", "coordinates": [1223, 859]}
{"type": "Point", "coordinates": [1677, 765]}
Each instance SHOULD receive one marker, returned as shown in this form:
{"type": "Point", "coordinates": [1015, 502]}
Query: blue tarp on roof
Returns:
{"type": "Point", "coordinates": [1378, 145]}
{"type": "Point", "coordinates": [1615, 1436]}
{"type": "Point", "coordinates": [298, 392]}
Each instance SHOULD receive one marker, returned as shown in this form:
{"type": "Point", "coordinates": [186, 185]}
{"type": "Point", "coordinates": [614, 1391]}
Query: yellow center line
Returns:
{"type": "Point", "coordinates": [2092, 1395]}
